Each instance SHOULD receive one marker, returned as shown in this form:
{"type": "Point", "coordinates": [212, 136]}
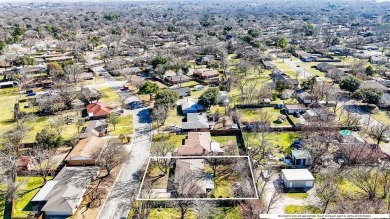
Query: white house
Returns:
{"type": "Point", "coordinates": [190, 106]}
{"type": "Point", "coordinates": [297, 178]}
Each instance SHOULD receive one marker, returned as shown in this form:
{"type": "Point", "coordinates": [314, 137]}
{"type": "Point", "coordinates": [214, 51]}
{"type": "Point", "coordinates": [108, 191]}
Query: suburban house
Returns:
{"type": "Point", "coordinates": [86, 76]}
{"type": "Point", "coordinates": [26, 163]}
{"type": "Point", "coordinates": [306, 98]}
{"type": "Point", "coordinates": [223, 98]}
{"type": "Point", "coordinates": [278, 75]}
{"type": "Point", "coordinates": [297, 178]}
{"type": "Point", "coordinates": [176, 79]}
{"type": "Point", "coordinates": [268, 65]}
{"type": "Point", "coordinates": [325, 67]}
{"type": "Point", "coordinates": [301, 157]}
{"type": "Point", "coordinates": [375, 84]}
{"type": "Point", "coordinates": [58, 58]}
{"type": "Point", "coordinates": [385, 101]}
{"type": "Point", "coordinates": [182, 91]}
{"type": "Point", "coordinates": [377, 59]}
{"type": "Point", "coordinates": [190, 178]}
{"type": "Point", "coordinates": [286, 94]}
{"type": "Point", "coordinates": [206, 74]}
{"type": "Point", "coordinates": [205, 60]}
{"type": "Point", "coordinates": [99, 110]}
{"type": "Point", "coordinates": [62, 196]}
{"type": "Point", "coordinates": [294, 108]}
{"type": "Point", "coordinates": [91, 93]}
{"type": "Point", "coordinates": [96, 128]}
{"type": "Point", "coordinates": [304, 56]}
{"type": "Point", "coordinates": [199, 143]}
{"type": "Point", "coordinates": [85, 152]}
{"type": "Point", "coordinates": [197, 122]}
{"type": "Point", "coordinates": [189, 105]}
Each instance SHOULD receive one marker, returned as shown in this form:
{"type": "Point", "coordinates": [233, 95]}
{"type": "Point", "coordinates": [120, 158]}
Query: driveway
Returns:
{"type": "Point", "coordinates": [126, 185]}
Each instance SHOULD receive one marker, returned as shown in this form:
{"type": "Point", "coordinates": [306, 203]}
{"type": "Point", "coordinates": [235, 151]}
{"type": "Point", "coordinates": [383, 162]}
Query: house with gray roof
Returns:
{"type": "Point", "coordinates": [182, 91]}
{"type": "Point", "coordinates": [62, 195]}
{"type": "Point", "coordinates": [301, 157]}
{"type": "Point", "coordinates": [97, 128]}
{"type": "Point", "coordinates": [189, 105]}
{"type": "Point", "coordinates": [197, 121]}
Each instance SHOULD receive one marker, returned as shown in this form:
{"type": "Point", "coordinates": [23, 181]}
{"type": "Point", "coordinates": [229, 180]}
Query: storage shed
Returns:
{"type": "Point", "coordinates": [297, 178]}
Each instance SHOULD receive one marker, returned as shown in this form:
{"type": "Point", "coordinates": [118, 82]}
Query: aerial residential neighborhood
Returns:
{"type": "Point", "coordinates": [194, 109]}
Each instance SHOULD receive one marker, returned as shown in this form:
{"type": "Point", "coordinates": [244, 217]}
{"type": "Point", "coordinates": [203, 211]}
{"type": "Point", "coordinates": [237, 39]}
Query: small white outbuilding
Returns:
{"type": "Point", "coordinates": [297, 178]}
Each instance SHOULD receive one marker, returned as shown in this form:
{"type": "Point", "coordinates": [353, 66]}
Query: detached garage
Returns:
{"type": "Point", "coordinates": [297, 178]}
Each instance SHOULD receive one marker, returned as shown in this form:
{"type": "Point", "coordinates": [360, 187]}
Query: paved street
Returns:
{"type": "Point", "coordinates": [125, 188]}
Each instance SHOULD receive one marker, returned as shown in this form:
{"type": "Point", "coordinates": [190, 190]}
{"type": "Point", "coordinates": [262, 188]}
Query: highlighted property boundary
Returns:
{"type": "Point", "coordinates": [196, 199]}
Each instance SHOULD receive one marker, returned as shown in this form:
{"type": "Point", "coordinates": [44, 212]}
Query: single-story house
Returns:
{"type": "Point", "coordinates": [385, 101]}
{"type": "Point", "coordinates": [96, 128]}
{"type": "Point", "coordinates": [58, 59]}
{"type": "Point", "coordinates": [325, 67]}
{"type": "Point", "coordinates": [293, 108]}
{"type": "Point", "coordinates": [99, 110]}
{"type": "Point", "coordinates": [189, 105]}
{"type": "Point", "coordinates": [205, 60]}
{"type": "Point", "coordinates": [85, 152]}
{"type": "Point", "coordinates": [297, 178]}
{"type": "Point", "coordinates": [286, 94]}
{"type": "Point", "coordinates": [62, 196]}
{"type": "Point", "coordinates": [206, 73]}
{"type": "Point", "coordinates": [308, 58]}
{"type": "Point", "coordinates": [90, 93]}
{"type": "Point", "coordinates": [301, 157]}
{"type": "Point", "coordinates": [223, 98]}
{"type": "Point", "coordinates": [182, 91]}
{"type": "Point", "coordinates": [375, 84]}
{"type": "Point", "coordinates": [176, 79]}
{"type": "Point", "coordinates": [190, 178]}
{"type": "Point", "coordinates": [268, 65]}
{"type": "Point", "coordinates": [197, 122]}
{"type": "Point", "coordinates": [377, 59]}
{"type": "Point", "coordinates": [278, 75]}
{"type": "Point", "coordinates": [26, 163]}
{"type": "Point", "coordinates": [306, 98]}
{"type": "Point", "coordinates": [199, 143]}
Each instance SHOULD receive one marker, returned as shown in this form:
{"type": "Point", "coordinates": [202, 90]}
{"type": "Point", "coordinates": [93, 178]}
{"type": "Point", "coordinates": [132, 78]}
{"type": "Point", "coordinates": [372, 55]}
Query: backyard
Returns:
{"type": "Point", "coordinates": [29, 187]}
{"type": "Point", "coordinates": [125, 126]}
{"type": "Point", "coordinates": [253, 115]}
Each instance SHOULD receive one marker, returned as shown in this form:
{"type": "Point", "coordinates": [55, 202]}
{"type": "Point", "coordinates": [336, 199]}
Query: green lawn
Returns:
{"type": "Point", "coordinates": [125, 126]}
{"type": "Point", "coordinates": [280, 143]}
{"type": "Point", "coordinates": [223, 188]}
{"type": "Point", "coordinates": [174, 118]}
{"type": "Point", "coordinates": [189, 84]}
{"type": "Point", "coordinates": [30, 186]}
{"type": "Point", "coordinates": [302, 195]}
{"type": "Point", "coordinates": [8, 97]}
{"type": "Point", "coordinates": [110, 96]}
{"type": "Point", "coordinates": [252, 115]}
{"type": "Point", "coordinates": [300, 209]}
{"type": "Point", "coordinates": [172, 138]}
{"type": "Point", "coordinates": [229, 213]}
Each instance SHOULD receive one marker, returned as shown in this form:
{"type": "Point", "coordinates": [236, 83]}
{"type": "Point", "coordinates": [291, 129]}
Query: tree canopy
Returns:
{"type": "Point", "coordinates": [149, 88]}
{"type": "Point", "coordinates": [209, 97]}
{"type": "Point", "coordinates": [350, 83]}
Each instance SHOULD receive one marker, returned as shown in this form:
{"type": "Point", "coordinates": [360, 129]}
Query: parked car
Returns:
{"type": "Point", "coordinates": [135, 105]}
{"type": "Point", "coordinates": [199, 87]}
{"type": "Point", "coordinates": [30, 93]}
{"type": "Point", "coordinates": [118, 112]}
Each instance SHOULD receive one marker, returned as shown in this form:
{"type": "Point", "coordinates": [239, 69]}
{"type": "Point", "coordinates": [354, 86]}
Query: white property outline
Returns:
{"type": "Point", "coordinates": [196, 199]}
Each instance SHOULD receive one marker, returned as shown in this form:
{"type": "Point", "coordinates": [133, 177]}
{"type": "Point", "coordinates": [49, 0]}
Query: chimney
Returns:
{"type": "Point", "coordinates": [204, 151]}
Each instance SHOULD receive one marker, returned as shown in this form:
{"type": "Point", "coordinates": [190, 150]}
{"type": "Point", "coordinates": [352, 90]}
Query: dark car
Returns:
{"type": "Point", "coordinates": [135, 105]}
{"type": "Point", "coordinates": [30, 93]}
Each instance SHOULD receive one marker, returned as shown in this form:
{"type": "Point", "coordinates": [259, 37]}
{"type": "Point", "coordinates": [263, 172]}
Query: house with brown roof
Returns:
{"type": "Point", "coordinates": [84, 153]}
{"type": "Point", "coordinates": [207, 74]}
{"type": "Point", "coordinates": [99, 110]}
{"type": "Point", "coordinates": [198, 144]}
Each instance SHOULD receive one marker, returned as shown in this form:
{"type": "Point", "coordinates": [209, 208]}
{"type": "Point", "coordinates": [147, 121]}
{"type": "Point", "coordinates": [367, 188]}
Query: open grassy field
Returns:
{"type": "Point", "coordinates": [172, 138]}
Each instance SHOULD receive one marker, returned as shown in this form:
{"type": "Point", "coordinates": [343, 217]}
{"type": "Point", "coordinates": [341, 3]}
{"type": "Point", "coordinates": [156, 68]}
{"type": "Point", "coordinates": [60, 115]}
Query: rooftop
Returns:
{"type": "Point", "coordinates": [297, 174]}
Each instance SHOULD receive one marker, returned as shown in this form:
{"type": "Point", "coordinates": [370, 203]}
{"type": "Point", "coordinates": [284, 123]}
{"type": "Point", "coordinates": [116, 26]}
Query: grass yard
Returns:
{"type": "Point", "coordinates": [189, 84]}
{"type": "Point", "coordinates": [229, 213]}
{"type": "Point", "coordinates": [171, 213]}
{"type": "Point", "coordinates": [287, 101]}
{"type": "Point", "coordinates": [223, 188]}
{"type": "Point", "coordinates": [30, 186]}
{"type": "Point", "coordinates": [346, 187]}
{"type": "Point", "coordinates": [284, 140]}
{"type": "Point", "coordinates": [302, 209]}
{"type": "Point", "coordinates": [275, 113]}
{"type": "Point", "coordinates": [159, 181]}
{"type": "Point", "coordinates": [174, 118]}
{"type": "Point", "coordinates": [172, 138]}
{"type": "Point", "coordinates": [382, 117]}
{"type": "Point", "coordinates": [110, 96]}
{"type": "Point", "coordinates": [252, 115]}
{"type": "Point", "coordinates": [287, 69]}
{"type": "Point", "coordinates": [125, 126]}
{"type": "Point", "coordinates": [302, 195]}
{"type": "Point", "coordinates": [8, 97]}
{"type": "Point", "coordinates": [4, 210]}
